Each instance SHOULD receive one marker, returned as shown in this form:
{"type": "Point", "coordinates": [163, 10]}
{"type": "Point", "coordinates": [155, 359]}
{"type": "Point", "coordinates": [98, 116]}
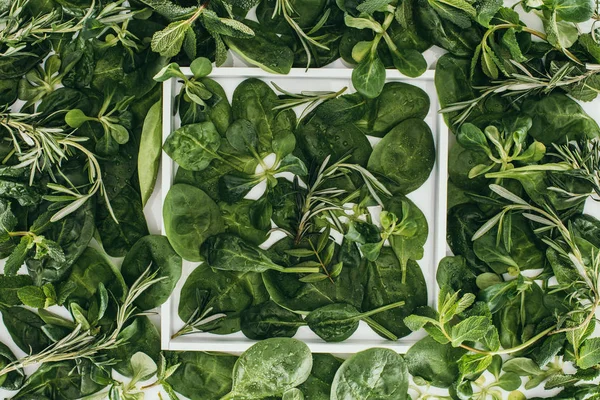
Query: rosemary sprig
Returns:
{"type": "Point", "coordinates": [200, 316]}
{"type": "Point", "coordinates": [83, 343]}
{"type": "Point", "coordinates": [43, 149]}
{"type": "Point", "coordinates": [19, 29]}
{"type": "Point", "coordinates": [311, 99]}
{"type": "Point", "coordinates": [286, 9]}
{"type": "Point", "coordinates": [584, 159]}
{"type": "Point", "coordinates": [319, 200]}
{"type": "Point", "coordinates": [523, 85]}
{"type": "Point", "coordinates": [586, 291]}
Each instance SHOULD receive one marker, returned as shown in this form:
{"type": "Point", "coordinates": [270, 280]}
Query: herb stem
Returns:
{"type": "Point", "coordinates": [382, 309]}
{"type": "Point", "coordinates": [320, 261]}
{"type": "Point", "coordinates": [380, 328]}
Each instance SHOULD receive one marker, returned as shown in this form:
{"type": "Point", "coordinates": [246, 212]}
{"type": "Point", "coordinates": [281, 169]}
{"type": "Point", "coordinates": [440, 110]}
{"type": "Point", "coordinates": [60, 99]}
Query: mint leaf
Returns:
{"type": "Point", "coordinates": [18, 256]}
{"type": "Point", "coordinates": [470, 364]}
{"type": "Point", "coordinates": [472, 329]}
{"type": "Point", "coordinates": [168, 42]}
{"type": "Point", "coordinates": [589, 354]}
{"type": "Point", "coordinates": [32, 296]}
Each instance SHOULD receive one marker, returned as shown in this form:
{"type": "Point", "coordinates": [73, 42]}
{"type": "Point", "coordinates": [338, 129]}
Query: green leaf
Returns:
{"type": "Point", "coordinates": [293, 394]}
{"type": "Point", "coordinates": [415, 322]}
{"type": "Point", "coordinates": [9, 288]}
{"type": "Point", "coordinates": [168, 9]}
{"type": "Point", "coordinates": [149, 151]}
{"type": "Point", "coordinates": [311, 278]}
{"type": "Point", "coordinates": [371, 6]}
{"type": "Point", "coordinates": [168, 42]}
{"type": "Point", "coordinates": [572, 10]}
{"type": "Point", "coordinates": [300, 252]}
{"type": "Point", "coordinates": [522, 366]}
{"type": "Point", "coordinates": [226, 26]}
{"type": "Point", "coordinates": [509, 39]}
{"type": "Point", "coordinates": [193, 146]}
{"type": "Point", "coordinates": [409, 61]}
{"type": "Point", "coordinates": [143, 366]}
{"type": "Point", "coordinates": [169, 71]}
{"type": "Point", "coordinates": [201, 67]}
{"type": "Point", "coordinates": [8, 221]}
{"type": "Point", "coordinates": [589, 353]}
{"type": "Point", "coordinates": [488, 65]}
{"type": "Point", "coordinates": [79, 316]}
{"type": "Point", "coordinates": [361, 23]}
{"type": "Point", "coordinates": [368, 77]}
{"type": "Point", "coordinates": [472, 329]}
{"type": "Point", "coordinates": [32, 296]}
{"type": "Point", "coordinates": [190, 43]}
{"type": "Point", "coordinates": [461, 5]}
{"type": "Point", "coordinates": [486, 9]}
{"type": "Point", "coordinates": [471, 137]}
{"type": "Point", "coordinates": [560, 34]}
{"type": "Point", "coordinates": [471, 364]}
{"type": "Point", "coordinates": [509, 381]}
{"type": "Point", "coordinates": [18, 256]}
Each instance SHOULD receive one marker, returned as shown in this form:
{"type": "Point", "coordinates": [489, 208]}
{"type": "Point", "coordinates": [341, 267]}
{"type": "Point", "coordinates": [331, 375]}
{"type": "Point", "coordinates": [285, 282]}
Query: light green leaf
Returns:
{"type": "Point", "coordinates": [472, 329]}
{"type": "Point", "coordinates": [589, 354]}
{"type": "Point", "coordinates": [32, 296]}
{"type": "Point", "coordinates": [168, 42]}
{"type": "Point", "coordinates": [474, 363]}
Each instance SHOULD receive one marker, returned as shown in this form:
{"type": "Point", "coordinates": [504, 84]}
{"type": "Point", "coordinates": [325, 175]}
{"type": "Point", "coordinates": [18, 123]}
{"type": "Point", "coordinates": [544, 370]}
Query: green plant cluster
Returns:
{"type": "Point", "coordinates": [80, 122]}
{"type": "Point", "coordinates": [323, 180]}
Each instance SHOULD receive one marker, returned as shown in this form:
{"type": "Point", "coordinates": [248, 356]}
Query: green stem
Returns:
{"type": "Point", "coordinates": [381, 309]}
{"type": "Point", "coordinates": [379, 328]}
{"type": "Point", "coordinates": [296, 270]}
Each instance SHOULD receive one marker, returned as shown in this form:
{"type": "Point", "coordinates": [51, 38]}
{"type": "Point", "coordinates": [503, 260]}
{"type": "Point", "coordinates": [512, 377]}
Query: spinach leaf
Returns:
{"type": "Point", "coordinates": [397, 102]}
{"type": "Point", "coordinates": [318, 384]}
{"type": "Point", "coordinates": [287, 291]}
{"type": "Point", "coordinates": [14, 379]}
{"type": "Point", "coordinates": [156, 253]}
{"type": "Point", "coordinates": [207, 179]}
{"type": "Point", "coordinates": [405, 155]}
{"type": "Point", "coordinates": [265, 50]}
{"type": "Point", "coordinates": [72, 233]}
{"type": "Point", "coordinates": [117, 238]}
{"type": "Point", "coordinates": [194, 146]}
{"type": "Point", "coordinates": [190, 217]}
{"type": "Point", "coordinates": [463, 221]}
{"type": "Point", "coordinates": [231, 253]}
{"type": "Point", "coordinates": [149, 152]}
{"type": "Point", "coordinates": [253, 100]}
{"type": "Point", "coordinates": [269, 320]}
{"type": "Point", "coordinates": [216, 110]}
{"type": "Point", "coordinates": [25, 329]}
{"type": "Point", "coordinates": [237, 220]}
{"type": "Point", "coordinates": [337, 322]}
{"type": "Point", "coordinates": [68, 380]}
{"type": "Point", "coordinates": [319, 139]}
{"type": "Point", "coordinates": [270, 368]}
{"type": "Point", "coordinates": [453, 273]}
{"type": "Point", "coordinates": [9, 285]}
{"type": "Point", "coordinates": [90, 270]}
{"type": "Point", "coordinates": [368, 77]}
{"type": "Point", "coordinates": [375, 373]}
{"type": "Point", "coordinates": [434, 362]}
{"type": "Point", "coordinates": [556, 117]}
{"type": "Point", "coordinates": [407, 246]}
{"type": "Point", "coordinates": [202, 376]}
{"type": "Point", "coordinates": [208, 292]}
{"type": "Point", "coordinates": [139, 336]}
{"type": "Point", "coordinates": [384, 286]}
